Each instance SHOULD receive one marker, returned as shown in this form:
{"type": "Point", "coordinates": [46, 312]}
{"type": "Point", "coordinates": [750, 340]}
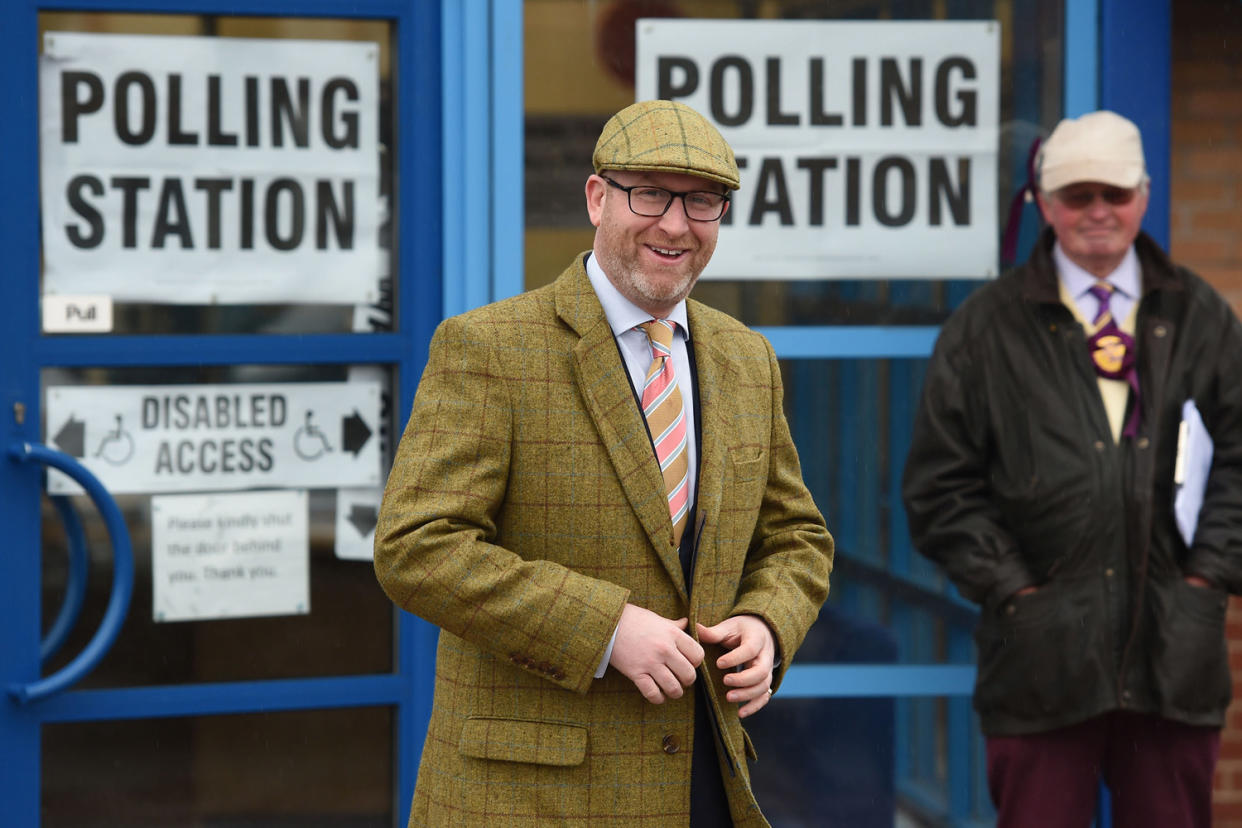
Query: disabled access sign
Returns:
{"type": "Point", "coordinates": [184, 438]}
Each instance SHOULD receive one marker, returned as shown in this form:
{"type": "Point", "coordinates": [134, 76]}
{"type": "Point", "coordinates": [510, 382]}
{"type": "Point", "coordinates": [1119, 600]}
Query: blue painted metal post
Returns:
{"type": "Point", "coordinates": [1135, 53]}
{"type": "Point", "coordinates": [19, 414]}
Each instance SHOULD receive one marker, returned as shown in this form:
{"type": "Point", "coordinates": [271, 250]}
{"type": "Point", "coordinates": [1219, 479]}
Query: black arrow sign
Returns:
{"type": "Point", "coordinates": [363, 518]}
{"type": "Point", "coordinates": [71, 439]}
{"type": "Point", "coordinates": [354, 433]}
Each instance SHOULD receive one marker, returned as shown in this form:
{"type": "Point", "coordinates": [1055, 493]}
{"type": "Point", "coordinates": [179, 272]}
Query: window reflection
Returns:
{"type": "Point", "coordinates": [314, 769]}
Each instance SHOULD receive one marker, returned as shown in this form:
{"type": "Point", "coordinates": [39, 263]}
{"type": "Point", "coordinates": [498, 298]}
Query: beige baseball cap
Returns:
{"type": "Point", "coordinates": [1099, 146]}
{"type": "Point", "coordinates": [665, 136]}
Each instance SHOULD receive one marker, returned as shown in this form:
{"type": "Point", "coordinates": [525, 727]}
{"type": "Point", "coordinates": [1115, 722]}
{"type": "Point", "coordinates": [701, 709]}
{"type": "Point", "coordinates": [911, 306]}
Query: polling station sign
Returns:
{"type": "Point", "coordinates": [188, 438]}
{"type": "Point", "coordinates": [209, 170]}
{"type": "Point", "coordinates": [866, 149]}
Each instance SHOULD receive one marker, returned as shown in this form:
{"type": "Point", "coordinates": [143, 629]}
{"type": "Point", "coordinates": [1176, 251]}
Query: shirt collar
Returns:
{"type": "Point", "coordinates": [1077, 281]}
{"type": "Point", "coordinates": [622, 314]}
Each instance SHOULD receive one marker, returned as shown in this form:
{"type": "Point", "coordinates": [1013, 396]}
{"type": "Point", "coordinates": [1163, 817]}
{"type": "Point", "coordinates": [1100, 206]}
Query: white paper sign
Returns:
{"type": "Point", "coordinates": [357, 511]}
{"type": "Point", "coordinates": [201, 170]}
{"type": "Point", "coordinates": [77, 314]}
{"type": "Point", "coordinates": [183, 438]}
{"type": "Point", "coordinates": [867, 149]}
{"type": "Point", "coordinates": [229, 555]}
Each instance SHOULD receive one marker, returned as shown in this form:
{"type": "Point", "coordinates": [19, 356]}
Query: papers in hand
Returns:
{"type": "Point", "coordinates": [1190, 470]}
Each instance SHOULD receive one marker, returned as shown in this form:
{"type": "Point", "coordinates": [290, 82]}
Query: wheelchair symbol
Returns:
{"type": "Point", "coordinates": [309, 442]}
{"type": "Point", "coordinates": [117, 445]}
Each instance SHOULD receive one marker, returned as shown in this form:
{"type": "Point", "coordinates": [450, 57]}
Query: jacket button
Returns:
{"type": "Point", "coordinates": [1011, 609]}
{"type": "Point", "coordinates": [1099, 445]}
{"type": "Point", "coordinates": [1160, 330]}
{"type": "Point", "coordinates": [671, 744]}
{"type": "Point", "coordinates": [1108, 573]}
{"type": "Point", "coordinates": [1143, 442]}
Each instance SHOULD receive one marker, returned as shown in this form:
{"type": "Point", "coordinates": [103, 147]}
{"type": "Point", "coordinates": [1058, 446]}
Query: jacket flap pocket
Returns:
{"type": "Point", "coordinates": [749, 463]}
{"type": "Point", "coordinates": [521, 740]}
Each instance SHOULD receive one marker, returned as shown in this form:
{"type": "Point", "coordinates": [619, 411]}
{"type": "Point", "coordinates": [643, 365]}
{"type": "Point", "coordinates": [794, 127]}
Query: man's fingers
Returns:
{"type": "Point", "coordinates": [670, 683]}
{"type": "Point", "coordinates": [655, 653]}
{"type": "Point", "coordinates": [740, 655]}
{"type": "Point", "coordinates": [649, 689]}
{"type": "Point", "coordinates": [754, 705]}
{"type": "Point", "coordinates": [723, 633]}
{"type": "Point", "coordinates": [691, 649]}
{"type": "Point", "coordinates": [752, 675]}
{"type": "Point", "coordinates": [682, 670]}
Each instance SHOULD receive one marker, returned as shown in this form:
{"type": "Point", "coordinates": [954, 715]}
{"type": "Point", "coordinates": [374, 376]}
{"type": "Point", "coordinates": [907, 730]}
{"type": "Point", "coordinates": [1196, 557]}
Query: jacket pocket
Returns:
{"type": "Point", "coordinates": [1036, 655]}
{"type": "Point", "coordinates": [524, 740]}
{"type": "Point", "coordinates": [748, 464]}
{"type": "Point", "coordinates": [1191, 659]}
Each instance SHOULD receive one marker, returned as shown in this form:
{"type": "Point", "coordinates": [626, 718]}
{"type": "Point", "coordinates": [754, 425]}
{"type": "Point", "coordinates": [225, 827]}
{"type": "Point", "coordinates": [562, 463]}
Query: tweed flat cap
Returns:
{"type": "Point", "coordinates": [665, 136]}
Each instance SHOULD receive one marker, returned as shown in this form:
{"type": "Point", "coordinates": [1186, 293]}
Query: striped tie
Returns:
{"type": "Point", "coordinates": [1112, 351]}
{"type": "Point", "coordinates": [666, 419]}
{"type": "Point", "coordinates": [1103, 292]}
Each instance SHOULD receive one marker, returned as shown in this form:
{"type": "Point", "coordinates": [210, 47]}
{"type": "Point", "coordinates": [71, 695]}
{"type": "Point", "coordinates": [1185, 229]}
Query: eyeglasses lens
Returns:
{"type": "Point", "coordinates": [1113, 196]}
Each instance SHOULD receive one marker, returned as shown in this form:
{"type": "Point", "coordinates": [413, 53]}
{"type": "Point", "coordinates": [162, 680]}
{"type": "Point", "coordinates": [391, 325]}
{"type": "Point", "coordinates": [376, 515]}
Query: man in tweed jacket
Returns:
{"type": "Point", "coordinates": [592, 671]}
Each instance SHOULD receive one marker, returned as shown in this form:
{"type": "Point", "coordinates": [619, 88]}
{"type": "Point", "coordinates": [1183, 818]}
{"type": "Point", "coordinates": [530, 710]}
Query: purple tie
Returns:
{"type": "Point", "coordinates": [1112, 351]}
{"type": "Point", "coordinates": [1103, 292]}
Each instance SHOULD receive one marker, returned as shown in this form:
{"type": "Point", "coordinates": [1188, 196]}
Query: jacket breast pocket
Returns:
{"type": "Point", "coordinates": [748, 464]}
{"type": "Point", "coordinates": [528, 741]}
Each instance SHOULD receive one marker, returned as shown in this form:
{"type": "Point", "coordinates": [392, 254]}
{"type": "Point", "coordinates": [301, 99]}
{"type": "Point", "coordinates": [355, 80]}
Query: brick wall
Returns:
{"type": "Point", "coordinates": [1206, 235]}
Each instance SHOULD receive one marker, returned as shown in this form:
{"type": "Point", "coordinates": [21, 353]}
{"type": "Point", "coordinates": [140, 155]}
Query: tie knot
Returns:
{"type": "Point", "coordinates": [660, 332]}
{"type": "Point", "coordinates": [1101, 291]}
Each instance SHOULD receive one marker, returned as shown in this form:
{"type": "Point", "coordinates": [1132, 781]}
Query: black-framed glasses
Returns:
{"type": "Point", "coordinates": [648, 201]}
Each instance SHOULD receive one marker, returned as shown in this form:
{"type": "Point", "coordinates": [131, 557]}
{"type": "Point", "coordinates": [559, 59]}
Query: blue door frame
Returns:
{"type": "Point", "coordinates": [417, 72]}
{"type": "Point", "coordinates": [459, 248]}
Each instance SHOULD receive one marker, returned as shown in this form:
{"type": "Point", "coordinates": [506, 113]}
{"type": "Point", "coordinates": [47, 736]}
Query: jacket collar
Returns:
{"type": "Point", "coordinates": [1039, 274]}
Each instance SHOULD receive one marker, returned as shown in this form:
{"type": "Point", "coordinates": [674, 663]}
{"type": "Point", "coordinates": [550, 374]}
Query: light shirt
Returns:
{"type": "Point", "coordinates": [1075, 284]}
{"type": "Point", "coordinates": [623, 317]}
{"type": "Point", "coordinates": [1077, 281]}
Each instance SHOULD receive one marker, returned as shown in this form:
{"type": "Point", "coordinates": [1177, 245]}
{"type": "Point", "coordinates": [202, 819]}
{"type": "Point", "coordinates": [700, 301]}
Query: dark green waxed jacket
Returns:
{"type": "Point", "coordinates": [1014, 480]}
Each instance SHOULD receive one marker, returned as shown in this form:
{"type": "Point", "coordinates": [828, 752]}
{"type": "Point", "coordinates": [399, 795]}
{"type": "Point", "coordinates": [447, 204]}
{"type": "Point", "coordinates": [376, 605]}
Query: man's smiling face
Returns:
{"type": "Point", "coordinates": [653, 261]}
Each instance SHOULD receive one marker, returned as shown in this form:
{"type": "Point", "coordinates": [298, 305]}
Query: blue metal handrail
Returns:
{"type": "Point", "coordinates": [75, 585]}
{"type": "Point", "coordinates": [122, 574]}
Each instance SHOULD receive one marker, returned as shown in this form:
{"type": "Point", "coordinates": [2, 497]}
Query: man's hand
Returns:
{"type": "Point", "coordinates": [751, 646]}
{"type": "Point", "coordinates": [655, 653]}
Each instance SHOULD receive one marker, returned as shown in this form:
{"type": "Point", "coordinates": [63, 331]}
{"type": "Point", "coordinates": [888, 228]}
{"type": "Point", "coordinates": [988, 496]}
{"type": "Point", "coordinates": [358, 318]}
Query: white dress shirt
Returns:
{"type": "Point", "coordinates": [624, 317]}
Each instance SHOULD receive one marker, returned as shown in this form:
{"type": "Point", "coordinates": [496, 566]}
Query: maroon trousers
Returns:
{"type": "Point", "coordinates": [1159, 773]}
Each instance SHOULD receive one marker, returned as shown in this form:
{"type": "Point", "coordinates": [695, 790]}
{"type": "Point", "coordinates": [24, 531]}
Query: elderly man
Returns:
{"type": "Point", "coordinates": [598, 502]}
{"type": "Point", "coordinates": [1042, 478]}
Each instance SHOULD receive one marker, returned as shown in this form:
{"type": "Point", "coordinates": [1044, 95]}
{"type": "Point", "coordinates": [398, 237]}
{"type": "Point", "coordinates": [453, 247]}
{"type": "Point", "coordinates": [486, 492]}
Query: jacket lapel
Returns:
{"type": "Point", "coordinates": [715, 372]}
{"type": "Point", "coordinates": [601, 379]}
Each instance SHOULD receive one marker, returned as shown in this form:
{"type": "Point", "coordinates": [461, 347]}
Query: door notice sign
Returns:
{"type": "Point", "coordinates": [230, 555]}
{"type": "Point", "coordinates": [193, 438]}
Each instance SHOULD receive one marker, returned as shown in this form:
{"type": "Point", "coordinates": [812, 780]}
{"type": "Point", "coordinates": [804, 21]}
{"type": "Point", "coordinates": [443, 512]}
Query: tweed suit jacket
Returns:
{"type": "Point", "coordinates": [525, 507]}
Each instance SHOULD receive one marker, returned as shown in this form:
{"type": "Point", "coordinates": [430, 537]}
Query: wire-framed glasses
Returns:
{"type": "Point", "coordinates": [645, 200]}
